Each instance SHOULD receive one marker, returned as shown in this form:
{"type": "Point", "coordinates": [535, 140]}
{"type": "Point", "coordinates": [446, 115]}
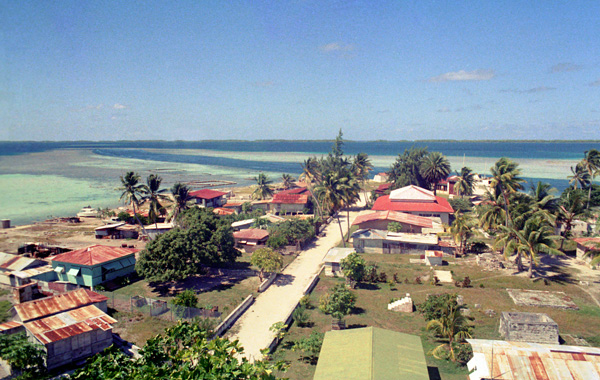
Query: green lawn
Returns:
{"type": "Point", "coordinates": [372, 300]}
{"type": "Point", "coordinates": [138, 328]}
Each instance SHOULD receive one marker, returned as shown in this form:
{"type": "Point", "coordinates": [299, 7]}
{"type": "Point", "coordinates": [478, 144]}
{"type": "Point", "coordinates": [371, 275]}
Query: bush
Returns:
{"type": "Point", "coordinates": [435, 304]}
{"type": "Point", "coordinates": [478, 247]}
{"type": "Point", "coordinates": [183, 301]}
{"type": "Point", "coordinates": [394, 227]}
{"type": "Point", "coordinates": [300, 316]}
{"type": "Point", "coordinates": [463, 352]}
{"type": "Point", "coordinates": [123, 216]}
{"type": "Point", "coordinates": [305, 302]}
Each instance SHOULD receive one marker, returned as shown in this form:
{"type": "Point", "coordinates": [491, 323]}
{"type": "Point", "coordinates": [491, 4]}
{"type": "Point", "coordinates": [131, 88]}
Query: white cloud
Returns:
{"type": "Point", "coordinates": [462, 75]}
{"type": "Point", "coordinates": [595, 83]}
{"type": "Point", "coordinates": [565, 67]}
{"type": "Point", "coordinates": [118, 106]}
{"type": "Point", "coordinates": [335, 46]}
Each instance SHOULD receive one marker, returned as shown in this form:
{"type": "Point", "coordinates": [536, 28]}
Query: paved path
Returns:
{"type": "Point", "coordinates": [276, 303]}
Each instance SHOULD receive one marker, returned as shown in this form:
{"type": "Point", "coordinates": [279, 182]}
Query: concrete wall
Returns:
{"type": "Point", "coordinates": [234, 315]}
{"type": "Point", "coordinates": [528, 327]}
{"type": "Point", "coordinates": [66, 351]}
{"type": "Point", "coordinates": [268, 281]}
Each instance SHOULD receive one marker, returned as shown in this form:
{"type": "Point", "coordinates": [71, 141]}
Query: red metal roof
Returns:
{"type": "Point", "coordinates": [94, 255]}
{"type": "Point", "coordinates": [36, 309]}
{"type": "Point", "coordinates": [440, 205]}
{"type": "Point", "coordinates": [207, 194]}
{"type": "Point", "coordinates": [233, 204]}
{"type": "Point", "coordinates": [251, 234]}
{"type": "Point", "coordinates": [298, 190]}
{"type": "Point", "coordinates": [223, 211]}
{"type": "Point", "coordinates": [290, 198]}
{"type": "Point", "coordinates": [383, 188]}
{"type": "Point", "coordinates": [395, 216]}
{"type": "Point", "coordinates": [9, 325]}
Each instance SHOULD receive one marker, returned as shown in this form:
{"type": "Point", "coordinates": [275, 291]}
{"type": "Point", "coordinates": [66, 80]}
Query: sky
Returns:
{"type": "Point", "coordinates": [394, 70]}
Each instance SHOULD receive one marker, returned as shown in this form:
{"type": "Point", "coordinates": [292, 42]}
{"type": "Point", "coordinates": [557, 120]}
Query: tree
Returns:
{"type": "Point", "coordinates": [292, 231]}
{"type": "Point", "coordinates": [202, 239]}
{"type": "Point", "coordinates": [543, 196]}
{"type": "Point", "coordinates": [591, 164]}
{"type": "Point", "coordinates": [579, 176]}
{"type": "Point", "coordinates": [406, 169]}
{"type": "Point", "coordinates": [153, 194]}
{"type": "Point", "coordinates": [505, 176]}
{"type": "Point", "coordinates": [462, 229]}
{"type": "Point", "coordinates": [287, 180]}
{"type": "Point", "coordinates": [263, 189]}
{"type": "Point", "coordinates": [338, 303]}
{"type": "Point", "coordinates": [451, 326]}
{"type": "Point", "coordinates": [394, 227]}
{"type": "Point", "coordinates": [132, 192]}
{"type": "Point", "coordinates": [337, 149]}
{"type": "Point", "coordinates": [310, 174]}
{"type": "Point", "coordinates": [434, 168]}
{"type": "Point", "coordinates": [571, 207]}
{"type": "Point", "coordinates": [435, 305]}
{"type": "Point", "coordinates": [266, 260]}
{"type": "Point", "coordinates": [491, 211]}
{"type": "Point", "coordinates": [353, 267]}
{"type": "Point", "coordinates": [182, 199]}
{"type": "Point", "coordinates": [183, 351]}
{"type": "Point", "coordinates": [25, 358]}
{"type": "Point", "coordinates": [361, 166]}
{"type": "Point", "coordinates": [333, 193]}
{"type": "Point", "coordinates": [466, 181]}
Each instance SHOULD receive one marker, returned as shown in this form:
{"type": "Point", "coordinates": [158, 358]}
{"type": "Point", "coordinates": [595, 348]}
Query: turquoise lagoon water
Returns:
{"type": "Point", "coordinates": [39, 180]}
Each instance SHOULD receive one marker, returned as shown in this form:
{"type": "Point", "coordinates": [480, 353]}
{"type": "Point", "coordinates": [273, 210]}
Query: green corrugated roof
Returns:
{"type": "Point", "coordinates": [371, 353]}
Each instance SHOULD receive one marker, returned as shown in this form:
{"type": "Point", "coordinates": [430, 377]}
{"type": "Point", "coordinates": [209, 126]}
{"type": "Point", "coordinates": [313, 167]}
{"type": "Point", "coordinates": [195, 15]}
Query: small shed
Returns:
{"type": "Point", "coordinates": [153, 230]}
{"type": "Point", "coordinates": [94, 265]}
{"type": "Point", "coordinates": [250, 238]}
{"type": "Point", "coordinates": [209, 197]}
{"type": "Point", "coordinates": [332, 260]}
{"type": "Point", "coordinates": [119, 230]}
{"type": "Point", "coordinates": [371, 353]}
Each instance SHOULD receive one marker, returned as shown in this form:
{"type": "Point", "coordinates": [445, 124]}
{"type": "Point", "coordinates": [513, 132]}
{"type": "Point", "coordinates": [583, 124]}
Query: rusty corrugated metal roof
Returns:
{"type": "Point", "coordinates": [9, 262]}
{"type": "Point", "coordinates": [9, 325]}
{"type": "Point", "coordinates": [395, 216]}
{"type": "Point", "coordinates": [37, 309]}
{"type": "Point", "coordinates": [94, 255]}
{"type": "Point", "coordinates": [532, 361]}
{"type": "Point", "coordinates": [69, 323]}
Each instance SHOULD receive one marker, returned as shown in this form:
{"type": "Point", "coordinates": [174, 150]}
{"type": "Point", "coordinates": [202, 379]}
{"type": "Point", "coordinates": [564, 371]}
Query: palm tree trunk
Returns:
{"type": "Point", "coordinates": [589, 196]}
{"type": "Point", "coordinates": [530, 270]}
{"type": "Point", "coordinates": [341, 231]}
{"type": "Point", "coordinates": [138, 220]}
{"type": "Point", "coordinates": [316, 201]}
{"type": "Point", "coordinates": [348, 224]}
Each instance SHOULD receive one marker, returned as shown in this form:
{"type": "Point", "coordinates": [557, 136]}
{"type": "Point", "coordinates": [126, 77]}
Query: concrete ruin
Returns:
{"type": "Point", "coordinates": [404, 305]}
{"type": "Point", "coordinates": [526, 297]}
{"type": "Point", "coordinates": [528, 327]}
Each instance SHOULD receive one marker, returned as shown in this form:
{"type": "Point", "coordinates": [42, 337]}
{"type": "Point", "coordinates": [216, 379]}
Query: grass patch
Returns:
{"type": "Point", "coordinates": [138, 328]}
{"type": "Point", "coordinates": [5, 306]}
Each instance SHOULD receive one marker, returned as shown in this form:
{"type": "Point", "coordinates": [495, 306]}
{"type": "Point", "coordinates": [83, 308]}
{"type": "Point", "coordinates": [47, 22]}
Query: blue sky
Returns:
{"type": "Point", "coordinates": [394, 70]}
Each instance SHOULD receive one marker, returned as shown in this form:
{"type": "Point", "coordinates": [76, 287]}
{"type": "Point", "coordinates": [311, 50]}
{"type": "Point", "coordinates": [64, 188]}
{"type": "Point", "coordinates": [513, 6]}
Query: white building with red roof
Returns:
{"type": "Point", "coordinates": [209, 197]}
{"type": "Point", "coordinates": [94, 265]}
{"type": "Point", "coordinates": [416, 201]}
{"type": "Point", "coordinates": [292, 201]}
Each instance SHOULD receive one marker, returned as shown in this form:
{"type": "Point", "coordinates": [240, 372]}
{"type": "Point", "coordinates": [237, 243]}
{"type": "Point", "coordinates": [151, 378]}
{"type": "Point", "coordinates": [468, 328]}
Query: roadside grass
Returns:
{"type": "Point", "coordinates": [491, 299]}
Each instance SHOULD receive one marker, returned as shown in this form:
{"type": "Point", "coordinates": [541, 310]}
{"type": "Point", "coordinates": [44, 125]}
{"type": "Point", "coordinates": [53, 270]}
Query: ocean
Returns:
{"type": "Point", "coordinates": [46, 179]}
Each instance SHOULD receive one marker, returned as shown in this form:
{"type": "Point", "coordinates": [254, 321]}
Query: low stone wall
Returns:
{"type": "Point", "coordinates": [265, 284]}
{"type": "Point", "coordinates": [234, 315]}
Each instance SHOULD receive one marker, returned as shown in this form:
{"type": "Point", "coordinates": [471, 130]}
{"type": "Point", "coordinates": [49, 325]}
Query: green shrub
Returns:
{"type": "Point", "coordinates": [435, 304]}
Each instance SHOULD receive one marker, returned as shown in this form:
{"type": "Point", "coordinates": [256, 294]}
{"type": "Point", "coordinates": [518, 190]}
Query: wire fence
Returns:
{"type": "Point", "coordinates": [157, 308]}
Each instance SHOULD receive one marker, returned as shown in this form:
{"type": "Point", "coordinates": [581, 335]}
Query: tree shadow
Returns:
{"type": "Point", "coordinates": [368, 286]}
{"type": "Point", "coordinates": [215, 279]}
{"type": "Point", "coordinates": [358, 311]}
{"type": "Point", "coordinates": [283, 279]}
{"type": "Point", "coordinates": [356, 326]}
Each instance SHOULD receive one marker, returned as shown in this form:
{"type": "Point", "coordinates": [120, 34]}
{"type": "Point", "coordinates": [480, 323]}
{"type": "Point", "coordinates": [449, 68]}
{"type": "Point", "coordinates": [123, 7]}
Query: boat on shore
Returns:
{"type": "Point", "coordinates": [87, 212]}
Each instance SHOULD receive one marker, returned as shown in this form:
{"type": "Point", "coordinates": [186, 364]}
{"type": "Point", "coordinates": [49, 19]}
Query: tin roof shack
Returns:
{"type": "Point", "coordinates": [410, 223]}
{"type": "Point", "coordinates": [153, 230]}
{"type": "Point", "coordinates": [498, 359]}
{"type": "Point", "coordinates": [250, 239]}
{"type": "Point", "coordinates": [209, 198]}
{"type": "Point", "coordinates": [119, 230]}
{"type": "Point", "coordinates": [332, 260]}
{"type": "Point", "coordinates": [371, 353]}
{"type": "Point", "coordinates": [528, 327]}
{"type": "Point", "coordinates": [94, 265]}
{"type": "Point", "coordinates": [288, 202]}
{"type": "Point", "coordinates": [584, 245]}
{"type": "Point", "coordinates": [70, 326]}
{"type": "Point", "coordinates": [18, 270]}
{"type": "Point", "coordinates": [379, 241]}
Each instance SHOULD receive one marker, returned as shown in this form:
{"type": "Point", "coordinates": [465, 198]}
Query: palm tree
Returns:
{"type": "Point", "coordinates": [570, 209]}
{"type": "Point", "coordinates": [361, 166]}
{"type": "Point", "coordinates": [153, 194]}
{"type": "Point", "coordinates": [351, 195]}
{"type": "Point", "coordinates": [181, 198]}
{"type": "Point", "coordinates": [580, 176]}
{"type": "Point", "coordinates": [434, 168]}
{"type": "Point", "coordinates": [543, 195]}
{"type": "Point", "coordinates": [287, 180]}
{"type": "Point", "coordinates": [505, 176]}
{"type": "Point", "coordinates": [533, 239]}
{"type": "Point", "coordinates": [491, 211]}
{"type": "Point", "coordinates": [451, 326]}
{"type": "Point", "coordinates": [311, 174]}
{"type": "Point", "coordinates": [132, 192]}
{"type": "Point", "coordinates": [461, 229]}
{"type": "Point", "coordinates": [332, 192]}
{"type": "Point", "coordinates": [591, 164]}
{"type": "Point", "coordinates": [263, 190]}
{"type": "Point", "coordinates": [465, 183]}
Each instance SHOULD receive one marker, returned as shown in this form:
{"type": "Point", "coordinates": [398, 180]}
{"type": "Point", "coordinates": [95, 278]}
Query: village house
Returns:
{"type": "Point", "coordinates": [250, 238]}
{"type": "Point", "coordinates": [94, 265]}
{"type": "Point", "coordinates": [119, 230]}
{"type": "Point", "coordinates": [332, 261]}
{"type": "Point", "coordinates": [380, 177]}
{"type": "Point", "coordinates": [153, 230]}
{"type": "Point", "coordinates": [70, 326]}
{"type": "Point", "coordinates": [446, 186]}
{"type": "Point", "coordinates": [417, 201]}
{"type": "Point", "coordinates": [371, 353]}
{"type": "Point", "coordinates": [410, 223]}
{"type": "Point", "coordinates": [18, 270]}
{"type": "Point", "coordinates": [292, 201]}
{"type": "Point", "coordinates": [209, 198]}
{"type": "Point", "coordinates": [235, 206]}
{"type": "Point", "coordinates": [380, 241]}
{"type": "Point", "coordinates": [584, 245]}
